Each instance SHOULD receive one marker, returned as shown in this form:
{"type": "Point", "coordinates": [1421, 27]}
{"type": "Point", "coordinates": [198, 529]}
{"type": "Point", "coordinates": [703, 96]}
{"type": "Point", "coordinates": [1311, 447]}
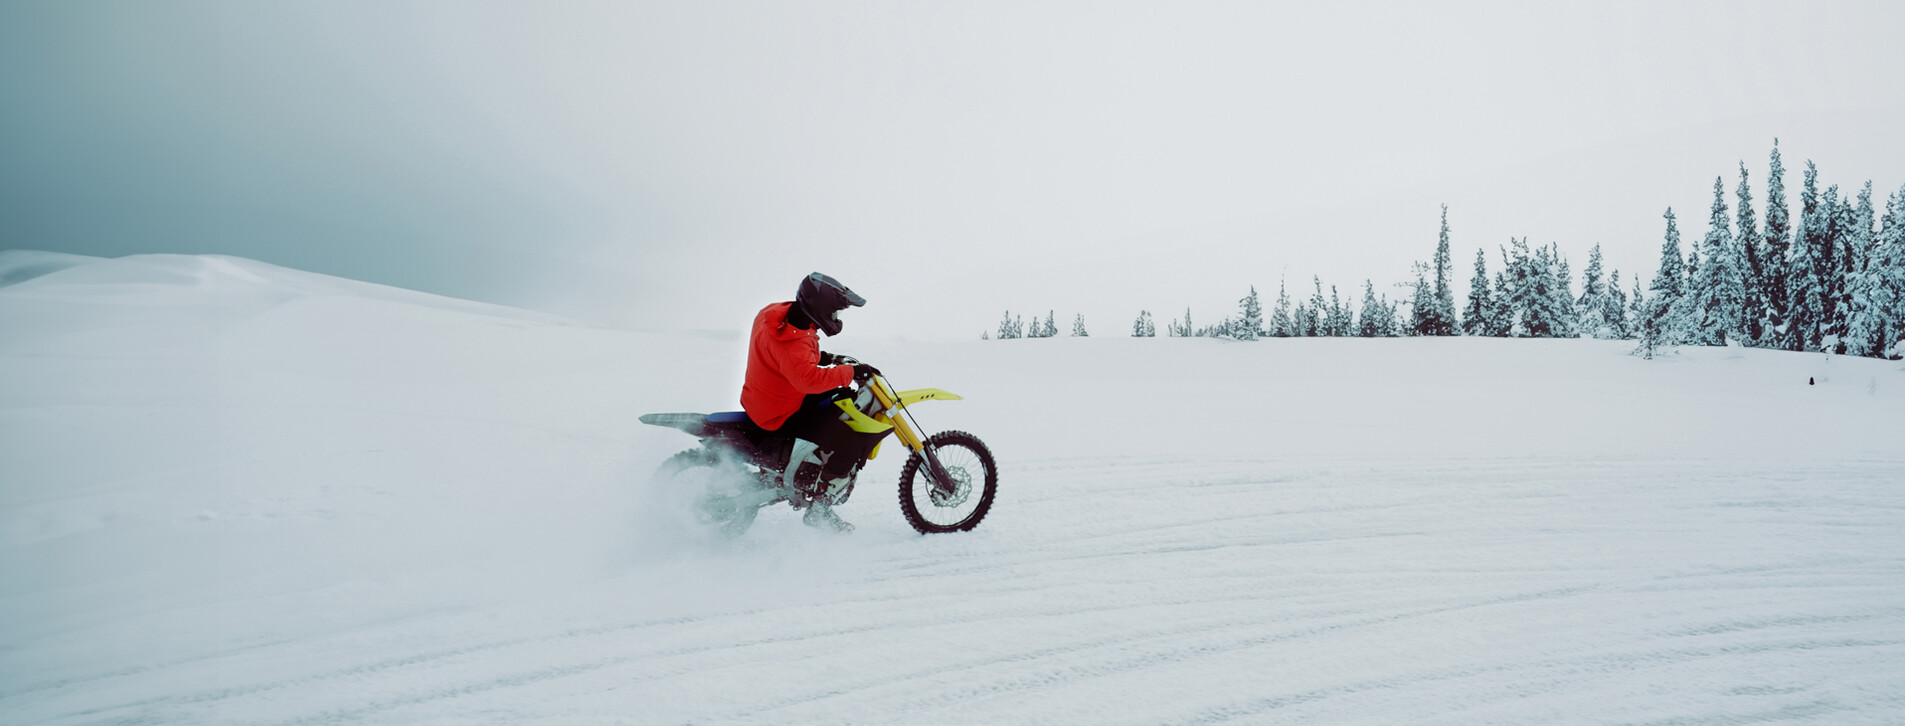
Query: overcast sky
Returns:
{"type": "Point", "coordinates": [678, 165]}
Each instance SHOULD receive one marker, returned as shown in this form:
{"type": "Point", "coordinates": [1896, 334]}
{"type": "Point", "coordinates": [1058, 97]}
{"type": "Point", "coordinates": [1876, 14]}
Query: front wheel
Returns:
{"type": "Point", "coordinates": [951, 506]}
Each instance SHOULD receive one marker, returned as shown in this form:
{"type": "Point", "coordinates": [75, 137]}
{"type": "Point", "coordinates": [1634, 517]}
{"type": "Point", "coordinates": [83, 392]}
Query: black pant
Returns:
{"type": "Point", "coordinates": [818, 420]}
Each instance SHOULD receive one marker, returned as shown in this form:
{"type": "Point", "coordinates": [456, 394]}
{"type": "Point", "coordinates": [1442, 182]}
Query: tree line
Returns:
{"type": "Point", "coordinates": [1832, 279]}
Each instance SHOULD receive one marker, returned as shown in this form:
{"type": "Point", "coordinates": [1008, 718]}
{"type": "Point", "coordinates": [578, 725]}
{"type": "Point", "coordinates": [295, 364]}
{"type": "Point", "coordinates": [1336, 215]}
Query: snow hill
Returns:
{"type": "Point", "coordinates": [236, 493]}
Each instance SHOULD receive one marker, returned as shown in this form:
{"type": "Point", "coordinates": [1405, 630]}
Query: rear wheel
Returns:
{"type": "Point", "coordinates": [722, 498]}
{"type": "Point", "coordinates": [951, 506]}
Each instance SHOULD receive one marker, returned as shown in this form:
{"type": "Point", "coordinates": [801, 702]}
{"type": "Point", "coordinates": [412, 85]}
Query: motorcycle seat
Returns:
{"type": "Point", "coordinates": [728, 417]}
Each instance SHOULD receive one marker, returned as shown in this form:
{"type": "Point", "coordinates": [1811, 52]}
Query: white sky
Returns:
{"type": "Point", "coordinates": [679, 165]}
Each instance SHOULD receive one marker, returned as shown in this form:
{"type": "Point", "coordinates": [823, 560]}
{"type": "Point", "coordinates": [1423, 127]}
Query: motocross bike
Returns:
{"type": "Point", "coordinates": [947, 485]}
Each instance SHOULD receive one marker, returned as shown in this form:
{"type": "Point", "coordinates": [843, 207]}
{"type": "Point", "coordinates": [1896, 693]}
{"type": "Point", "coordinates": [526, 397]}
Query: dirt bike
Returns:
{"type": "Point", "coordinates": [947, 485]}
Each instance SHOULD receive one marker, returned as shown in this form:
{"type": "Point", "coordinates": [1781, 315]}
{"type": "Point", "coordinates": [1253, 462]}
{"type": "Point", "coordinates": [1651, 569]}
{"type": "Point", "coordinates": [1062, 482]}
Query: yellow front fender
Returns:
{"type": "Point", "coordinates": [908, 398]}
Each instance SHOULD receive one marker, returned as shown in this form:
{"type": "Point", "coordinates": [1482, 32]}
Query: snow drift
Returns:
{"type": "Point", "coordinates": [236, 493]}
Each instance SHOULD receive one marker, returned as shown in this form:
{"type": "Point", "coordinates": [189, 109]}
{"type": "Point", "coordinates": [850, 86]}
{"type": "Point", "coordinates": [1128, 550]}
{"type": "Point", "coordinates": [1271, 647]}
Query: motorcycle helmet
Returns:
{"type": "Point", "coordinates": [821, 298]}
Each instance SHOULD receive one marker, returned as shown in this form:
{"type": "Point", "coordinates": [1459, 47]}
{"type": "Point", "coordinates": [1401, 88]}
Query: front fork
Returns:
{"type": "Point", "coordinates": [936, 473]}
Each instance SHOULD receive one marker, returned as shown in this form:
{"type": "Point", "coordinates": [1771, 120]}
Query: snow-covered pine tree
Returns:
{"type": "Point", "coordinates": [1638, 306]}
{"type": "Point", "coordinates": [1867, 328]}
{"type": "Point", "coordinates": [1439, 319]}
{"type": "Point", "coordinates": [1078, 326]}
{"type": "Point", "coordinates": [1250, 319]}
{"type": "Point", "coordinates": [1422, 304]}
{"type": "Point", "coordinates": [1143, 327]}
{"type": "Point", "coordinates": [1373, 324]}
{"type": "Point", "coordinates": [1852, 238]}
{"type": "Point", "coordinates": [1805, 280]}
{"type": "Point", "coordinates": [1183, 329]}
{"type": "Point", "coordinates": [1589, 309]}
{"type": "Point", "coordinates": [1891, 252]}
{"type": "Point", "coordinates": [1718, 297]}
{"type": "Point", "coordinates": [1281, 325]}
{"type": "Point", "coordinates": [1475, 315]}
{"type": "Point", "coordinates": [1614, 309]}
{"type": "Point", "coordinates": [1545, 299]}
{"type": "Point", "coordinates": [1879, 329]}
{"type": "Point", "coordinates": [1518, 273]}
{"type": "Point", "coordinates": [1837, 254]}
{"type": "Point", "coordinates": [1661, 325]}
{"type": "Point", "coordinates": [1749, 250]}
{"type": "Point", "coordinates": [1341, 323]}
{"type": "Point", "coordinates": [1564, 318]}
{"type": "Point", "coordinates": [1051, 323]}
{"type": "Point", "coordinates": [1503, 316]}
{"type": "Point", "coordinates": [1010, 327]}
{"type": "Point", "coordinates": [1318, 312]}
{"type": "Point", "coordinates": [1776, 260]}
{"type": "Point", "coordinates": [985, 335]}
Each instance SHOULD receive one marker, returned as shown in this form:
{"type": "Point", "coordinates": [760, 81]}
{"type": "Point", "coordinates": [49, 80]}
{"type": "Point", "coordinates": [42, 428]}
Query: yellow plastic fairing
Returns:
{"type": "Point", "coordinates": [908, 398]}
{"type": "Point", "coordinates": [859, 421]}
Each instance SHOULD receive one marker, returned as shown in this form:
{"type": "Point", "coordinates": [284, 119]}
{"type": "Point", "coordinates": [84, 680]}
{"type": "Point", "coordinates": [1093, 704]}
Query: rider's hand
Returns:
{"type": "Point", "coordinates": [862, 371]}
{"type": "Point", "coordinates": [835, 359]}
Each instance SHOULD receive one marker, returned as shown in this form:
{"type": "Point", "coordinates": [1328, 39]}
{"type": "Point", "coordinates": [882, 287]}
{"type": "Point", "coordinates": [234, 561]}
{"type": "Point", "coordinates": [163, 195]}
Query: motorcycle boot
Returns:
{"type": "Point", "coordinates": [805, 452]}
{"type": "Point", "coordinates": [820, 515]}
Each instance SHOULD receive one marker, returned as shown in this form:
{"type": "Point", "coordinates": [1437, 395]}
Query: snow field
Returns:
{"type": "Point", "coordinates": [232, 493]}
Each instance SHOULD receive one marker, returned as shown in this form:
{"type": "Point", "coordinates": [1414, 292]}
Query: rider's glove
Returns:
{"type": "Point", "coordinates": [831, 359]}
{"type": "Point", "coordinates": [862, 371]}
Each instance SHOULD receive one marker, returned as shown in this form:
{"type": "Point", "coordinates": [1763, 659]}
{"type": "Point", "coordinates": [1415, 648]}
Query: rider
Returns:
{"type": "Point", "coordinates": [791, 385]}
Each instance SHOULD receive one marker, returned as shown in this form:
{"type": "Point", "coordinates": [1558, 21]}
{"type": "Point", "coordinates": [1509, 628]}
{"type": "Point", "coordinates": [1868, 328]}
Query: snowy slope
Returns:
{"type": "Point", "coordinates": [234, 493]}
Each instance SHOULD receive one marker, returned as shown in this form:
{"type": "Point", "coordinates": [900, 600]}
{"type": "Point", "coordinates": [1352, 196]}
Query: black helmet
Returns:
{"type": "Point", "coordinates": [821, 298]}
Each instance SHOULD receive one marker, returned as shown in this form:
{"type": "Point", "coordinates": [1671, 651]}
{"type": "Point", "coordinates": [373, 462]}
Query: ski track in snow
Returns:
{"type": "Point", "coordinates": [328, 503]}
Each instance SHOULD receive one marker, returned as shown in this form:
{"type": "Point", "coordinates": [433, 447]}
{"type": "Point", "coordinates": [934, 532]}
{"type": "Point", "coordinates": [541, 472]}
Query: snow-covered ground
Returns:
{"type": "Point", "coordinates": [234, 493]}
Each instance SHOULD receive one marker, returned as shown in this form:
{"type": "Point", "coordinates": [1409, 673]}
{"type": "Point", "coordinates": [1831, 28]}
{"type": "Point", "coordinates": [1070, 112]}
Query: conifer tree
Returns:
{"type": "Point", "coordinates": [1502, 317]}
{"type": "Point", "coordinates": [1145, 327]}
{"type": "Point", "coordinates": [1250, 323]}
{"type": "Point", "coordinates": [1422, 304]}
{"type": "Point", "coordinates": [1078, 326]}
{"type": "Point", "coordinates": [1718, 297]}
{"type": "Point", "coordinates": [1614, 310]}
{"type": "Point", "coordinates": [1340, 321]}
{"type": "Point", "coordinates": [1475, 316]}
{"type": "Point", "coordinates": [1749, 249]}
{"type": "Point", "coordinates": [1637, 308]}
{"type": "Point", "coordinates": [1318, 311]}
{"type": "Point", "coordinates": [1851, 234]}
{"type": "Point", "coordinates": [1375, 314]}
{"type": "Point", "coordinates": [1010, 327]}
{"type": "Point", "coordinates": [1435, 314]}
{"type": "Point", "coordinates": [1837, 259]}
{"type": "Point", "coordinates": [1563, 305]}
{"type": "Point", "coordinates": [1589, 309]}
{"type": "Point", "coordinates": [1661, 325]}
{"type": "Point", "coordinates": [1776, 261]}
{"type": "Point", "coordinates": [1517, 296]}
{"type": "Point", "coordinates": [1878, 326]}
{"type": "Point", "coordinates": [1805, 280]}
{"type": "Point", "coordinates": [1281, 325]}
{"type": "Point", "coordinates": [1868, 329]}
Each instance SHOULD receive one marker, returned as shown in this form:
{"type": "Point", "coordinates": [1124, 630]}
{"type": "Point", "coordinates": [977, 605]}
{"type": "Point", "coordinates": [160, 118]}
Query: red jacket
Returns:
{"type": "Point", "coordinates": [783, 366]}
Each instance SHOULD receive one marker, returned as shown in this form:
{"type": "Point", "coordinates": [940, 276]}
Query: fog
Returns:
{"type": "Point", "coordinates": [676, 166]}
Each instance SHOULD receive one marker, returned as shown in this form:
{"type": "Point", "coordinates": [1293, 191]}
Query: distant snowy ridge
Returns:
{"type": "Point", "coordinates": [147, 277]}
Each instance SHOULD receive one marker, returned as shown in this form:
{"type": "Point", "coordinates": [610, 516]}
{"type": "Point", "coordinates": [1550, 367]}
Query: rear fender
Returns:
{"type": "Point", "coordinates": [694, 424]}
